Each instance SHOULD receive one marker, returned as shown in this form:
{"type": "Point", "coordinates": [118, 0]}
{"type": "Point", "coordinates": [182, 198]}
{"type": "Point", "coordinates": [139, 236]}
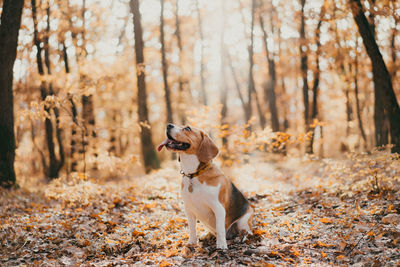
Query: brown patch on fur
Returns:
{"type": "Point", "coordinates": [207, 150]}
{"type": "Point", "coordinates": [215, 177]}
{"type": "Point", "coordinates": [193, 137]}
{"type": "Point", "coordinates": [212, 177]}
{"type": "Point", "coordinates": [224, 193]}
{"type": "Point", "coordinates": [200, 143]}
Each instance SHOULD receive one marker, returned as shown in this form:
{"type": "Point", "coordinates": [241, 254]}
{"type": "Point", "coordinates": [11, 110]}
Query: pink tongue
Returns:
{"type": "Point", "coordinates": [162, 144]}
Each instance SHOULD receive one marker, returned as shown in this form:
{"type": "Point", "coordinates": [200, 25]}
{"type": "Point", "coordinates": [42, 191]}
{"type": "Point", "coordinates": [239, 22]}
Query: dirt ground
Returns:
{"type": "Point", "coordinates": [307, 212]}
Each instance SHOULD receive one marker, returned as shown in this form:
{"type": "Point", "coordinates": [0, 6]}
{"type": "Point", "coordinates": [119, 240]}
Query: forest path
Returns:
{"type": "Point", "coordinates": [317, 212]}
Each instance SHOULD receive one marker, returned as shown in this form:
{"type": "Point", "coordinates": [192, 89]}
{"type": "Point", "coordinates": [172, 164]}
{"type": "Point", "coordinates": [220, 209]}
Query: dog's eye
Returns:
{"type": "Point", "coordinates": [187, 129]}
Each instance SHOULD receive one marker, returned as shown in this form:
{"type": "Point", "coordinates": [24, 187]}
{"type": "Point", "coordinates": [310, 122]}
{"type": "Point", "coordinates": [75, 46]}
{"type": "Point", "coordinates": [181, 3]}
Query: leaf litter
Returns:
{"type": "Point", "coordinates": [307, 212]}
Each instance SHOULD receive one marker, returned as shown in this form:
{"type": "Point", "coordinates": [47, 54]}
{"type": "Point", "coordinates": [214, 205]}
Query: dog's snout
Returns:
{"type": "Point", "coordinates": [170, 126]}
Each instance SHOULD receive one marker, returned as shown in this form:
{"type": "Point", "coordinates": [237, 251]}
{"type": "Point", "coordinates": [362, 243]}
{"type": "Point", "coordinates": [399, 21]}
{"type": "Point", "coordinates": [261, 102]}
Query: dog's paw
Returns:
{"type": "Point", "coordinates": [192, 243]}
{"type": "Point", "coordinates": [222, 246]}
{"type": "Point", "coordinates": [208, 237]}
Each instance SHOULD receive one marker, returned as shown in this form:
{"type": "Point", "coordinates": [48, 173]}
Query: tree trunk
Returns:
{"type": "Point", "coordinates": [181, 109]}
{"type": "Point", "coordinates": [395, 33]}
{"type": "Point", "coordinates": [88, 112]}
{"type": "Point", "coordinates": [269, 94]}
{"type": "Point", "coordinates": [74, 136]}
{"type": "Point", "coordinates": [344, 72]}
{"type": "Point", "coordinates": [42, 155]}
{"type": "Point", "coordinates": [88, 117]}
{"type": "Point", "coordinates": [246, 112]}
{"type": "Point", "coordinates": [74, 114]}
{"type": "Point", "coordinates": [285, 108]}
{"type": "Point", "coordinates": [349, 111]}
{"type": "Point", "coordinates": [9, 27]}
{"type": "Point", "coordinates": [165, 67]}
{"type": "Point", "coordinates": [380, 117]}
{"type": "Point", "coordinates": [358, 109]}
{"type": "Point", "coordinates": [393, 49]}
{"type": "Point", "coordinates": [223, 85]}
{"type": "Point", "coordinates": [382, 81]}
{"type": "Point", "coordinates": [55, 164]}
{"type": "Point", "coordinates": [59, 163]}
{"type": "Point", "coordinates": [150, 158]}
{"type": "Point", "coordinates": [82, 52]}
{"type": "Point", "coordinates": [112, 150]}
{"type": "Point", "coordinates": [251, 87]}
{"type": "Point", "coordinates": [304, 67]}
{"type": "Point", "coordinates": [314, 110]}
{"type": "Point", "coordinates": [65, 56]}
{"type": "Point", "coordinates": [372, 16]}
{"type": "Point", "coordinates": [202, 69]}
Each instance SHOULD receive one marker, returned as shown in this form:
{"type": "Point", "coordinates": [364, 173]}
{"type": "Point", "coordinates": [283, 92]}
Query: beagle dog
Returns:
{"type": "Point", "coordinates": [209, 196]}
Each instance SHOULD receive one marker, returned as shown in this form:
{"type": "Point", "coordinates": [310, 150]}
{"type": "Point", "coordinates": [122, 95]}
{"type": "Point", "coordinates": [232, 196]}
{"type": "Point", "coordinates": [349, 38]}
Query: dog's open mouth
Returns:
{"type": "Point", "coordinates": [171, 143]}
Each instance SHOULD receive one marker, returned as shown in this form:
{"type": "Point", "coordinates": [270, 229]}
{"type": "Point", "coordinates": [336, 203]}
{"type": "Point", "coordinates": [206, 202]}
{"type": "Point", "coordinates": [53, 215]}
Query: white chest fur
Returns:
{"type": "Point", "coordinates": [202, 198]}
{"type": "Point", "coordinates": [189, 163]}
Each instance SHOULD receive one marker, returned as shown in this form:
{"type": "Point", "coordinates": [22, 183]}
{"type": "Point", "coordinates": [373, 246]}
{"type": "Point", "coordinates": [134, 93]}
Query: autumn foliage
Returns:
{"type": "Point", "coordinates": [301, 98]}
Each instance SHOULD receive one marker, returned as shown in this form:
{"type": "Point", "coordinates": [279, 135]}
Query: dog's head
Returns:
{"type": "Point", "coordinates": [189, 140]}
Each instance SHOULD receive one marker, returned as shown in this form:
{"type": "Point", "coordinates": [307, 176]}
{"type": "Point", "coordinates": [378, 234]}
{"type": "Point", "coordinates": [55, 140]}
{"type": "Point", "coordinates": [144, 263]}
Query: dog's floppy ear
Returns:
{"type": "Point", "coordinates": [207, 149]}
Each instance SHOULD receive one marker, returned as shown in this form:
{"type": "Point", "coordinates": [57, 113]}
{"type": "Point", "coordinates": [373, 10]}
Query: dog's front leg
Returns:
{"type": "Point", "coordinates": [219, 212]}
{"type": "Point", "coordinates": [192, 227]}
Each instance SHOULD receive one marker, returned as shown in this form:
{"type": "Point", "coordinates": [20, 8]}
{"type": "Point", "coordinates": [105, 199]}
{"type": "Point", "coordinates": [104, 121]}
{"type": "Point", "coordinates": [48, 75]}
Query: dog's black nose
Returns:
{"type": "Point", "coordinates": [170, 126]}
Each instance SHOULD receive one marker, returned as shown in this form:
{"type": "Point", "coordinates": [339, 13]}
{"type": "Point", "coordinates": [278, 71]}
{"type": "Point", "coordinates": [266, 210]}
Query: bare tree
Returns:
{"type": "Point", "coordinates": [309, 116]}
{"type": "Point", "coordinates": [315, 90]}
{"type": "Point", "coordinates": [223, 85]}
{"type": "Point", "coordinates": [304, 67]}
{"type": "Point", "coordinates": [270, 94]}
{"type": "Point", "coordinates": [380, 116]}
{"type": "Point", "coordinates": [246, 110]}
{"type": "Point", "coordinates": [46, 89]}
{"type": "Point", "coordinates": [395, 33]}
{"type": "Point", "coordinates": [285, 107]}
{"type": "Point", "coordinates": [165, 66]}
{"type": "Point", "coordinates": [356, 93]}
{"type": "Point", "coordinates": [150, 158]}
{"type": "Point", "coordinates": [343, 70]}
{"type": "Point", "coordinates": [181, 81]}
{"type": "Point", "coordinates": [74, 112]}
{"type": "Point", "coordinates": [202, 69]}
{"type": "Point", "coordinates": [9, 27]}
{"type": "Point", "coordinates": [251, 86]}
{"type": "Point", "coordinates": [382, 80]}
{"type": "Point", "coordinates": [88, 118]}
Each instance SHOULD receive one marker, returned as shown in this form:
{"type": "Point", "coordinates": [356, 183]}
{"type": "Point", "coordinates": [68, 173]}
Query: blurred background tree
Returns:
{"type": "Point", "coordinates": [9, 28]}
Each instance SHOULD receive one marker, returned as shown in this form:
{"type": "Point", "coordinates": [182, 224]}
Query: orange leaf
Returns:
{"type": "Point", "coordinates": [164, 264]}
{"type": "Point", "coordinates": [172, 252]}
{"type": "Point", "coordinates": [326, 220]}
{"type": "Point", "coordinates": [137, 233]}
{"type": "Point", "coordinates": [259, 232]}
{"type": "Point", "coordinates": [340, 257]}
{"type": "Point", "coordinates": [295, 253]}
{"type": "Point", "coordinates": [322, 244]}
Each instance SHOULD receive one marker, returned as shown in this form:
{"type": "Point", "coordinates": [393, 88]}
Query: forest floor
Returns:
{"type": "Point", "coordinates": [307, 212]}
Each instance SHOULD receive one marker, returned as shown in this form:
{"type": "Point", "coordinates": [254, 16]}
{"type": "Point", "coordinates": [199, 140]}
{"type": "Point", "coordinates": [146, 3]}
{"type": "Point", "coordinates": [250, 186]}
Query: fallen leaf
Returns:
{"type": "Point", "coordinates": [325, 220]}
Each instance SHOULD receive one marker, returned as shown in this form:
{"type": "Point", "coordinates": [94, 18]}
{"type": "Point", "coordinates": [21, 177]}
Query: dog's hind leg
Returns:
{"type": "Point", "coordinates": [232, 232]}
{"type": "Point", "coordinates": [245, 222]}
